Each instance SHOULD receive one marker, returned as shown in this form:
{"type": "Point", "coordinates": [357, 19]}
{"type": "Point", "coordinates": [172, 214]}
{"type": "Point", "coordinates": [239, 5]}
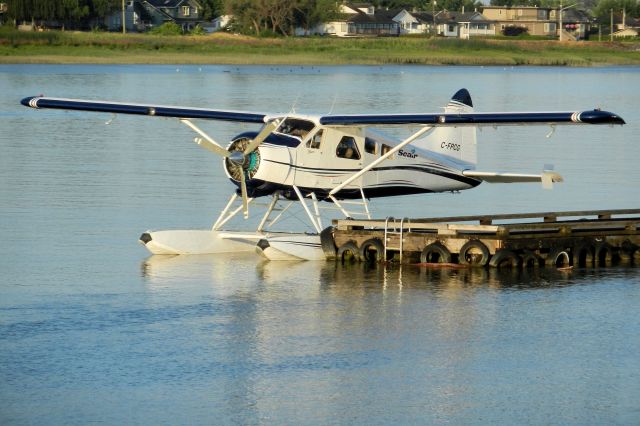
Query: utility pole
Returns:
{"type": "Point", "coordinates": [611, 29]}
{"type": "Point", "coordinates": [124, 19]}
{"type": "Point", "coordinates": [560, 18]}
{"type": "Point", "coordinates": [560, 10]}
{"type": "Point", "coordinates": [433, 13]}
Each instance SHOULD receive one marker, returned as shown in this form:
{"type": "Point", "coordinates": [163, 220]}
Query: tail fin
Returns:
{"type": "Point", "coordinates": [456, 142]}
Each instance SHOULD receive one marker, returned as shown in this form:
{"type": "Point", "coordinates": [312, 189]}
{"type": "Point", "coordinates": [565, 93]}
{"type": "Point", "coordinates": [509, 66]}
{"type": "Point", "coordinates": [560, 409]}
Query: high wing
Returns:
{"type": "Point", "coordinates": [144, 109]}
{"type": "Point", "coordinates": [595, 116]}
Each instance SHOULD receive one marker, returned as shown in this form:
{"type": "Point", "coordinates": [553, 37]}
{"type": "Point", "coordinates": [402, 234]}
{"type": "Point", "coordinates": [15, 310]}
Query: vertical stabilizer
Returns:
{"type": "Point", "coordinates": [459, 143]}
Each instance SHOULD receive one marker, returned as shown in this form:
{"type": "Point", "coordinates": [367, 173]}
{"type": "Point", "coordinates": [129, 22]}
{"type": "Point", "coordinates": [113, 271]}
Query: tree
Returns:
{"type": "Point", "coordinates": [602, 11]}
{"type": "Point", "coordinates": [309, 13]}
{"type": "Point", "coordinates": [212, 8]}
{"type": "Point", "coordinates": [102, 8]}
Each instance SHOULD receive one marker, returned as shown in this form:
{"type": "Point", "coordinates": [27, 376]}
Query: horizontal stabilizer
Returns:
{"type": "Point", "coordinates": [547, 178]}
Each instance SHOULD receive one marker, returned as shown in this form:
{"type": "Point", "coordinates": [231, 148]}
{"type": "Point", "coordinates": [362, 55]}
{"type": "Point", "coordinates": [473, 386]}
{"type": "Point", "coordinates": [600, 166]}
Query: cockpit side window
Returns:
{"type": "Point", "coordinates": [315, 141]}
{"type": "Point", "coordinates": [296, 127]}
{"type": "Point", "coordinates": [347, 148]}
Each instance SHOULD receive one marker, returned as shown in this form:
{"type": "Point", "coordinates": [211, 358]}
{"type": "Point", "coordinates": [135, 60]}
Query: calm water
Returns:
{"type": "Point", "coordinates": [92, 330]}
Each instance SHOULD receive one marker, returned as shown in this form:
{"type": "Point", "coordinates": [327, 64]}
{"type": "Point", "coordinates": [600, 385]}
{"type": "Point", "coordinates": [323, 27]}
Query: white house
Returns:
{"type": "Point", "coordinates": [362, 19]}
{"type": "Point", "coordinates": [463, 25]}
{"type": "Point", "coordinates": [414, 22]}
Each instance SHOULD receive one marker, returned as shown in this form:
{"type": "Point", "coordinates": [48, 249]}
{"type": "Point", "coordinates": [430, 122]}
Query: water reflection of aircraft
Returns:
{"type": "Point", "coordinates": [341, 159]}
{"type": "Point", "coordinates": [231, 273]}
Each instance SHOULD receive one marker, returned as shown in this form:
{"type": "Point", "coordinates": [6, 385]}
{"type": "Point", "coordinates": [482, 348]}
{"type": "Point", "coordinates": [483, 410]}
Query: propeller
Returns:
{"type": "Point", "coordinates": [260, 137]}
{"type": "Point", "coordinates": [236, 158]}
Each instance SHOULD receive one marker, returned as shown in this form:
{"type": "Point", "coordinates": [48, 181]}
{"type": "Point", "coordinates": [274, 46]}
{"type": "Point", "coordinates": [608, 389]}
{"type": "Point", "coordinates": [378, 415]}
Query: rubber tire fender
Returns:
{"type": "Point", "coordinates": [554, 254]}
{"type": "Point", "coordinates": [365, 252]}
{"type": "Point", "coordinates": [529, 257]}
{"type": "Point", "coordinates": [589, 251]}
{"type": "Point", "coordinates": [504, 257]}
{"type": "Point", "coordinates": [604, 254]}
{"type": "Point", "coordinates": [327, 242]}
{"type": "Point", "coordinates": [444, 255]}
{"type": "Point", "coordinates": [478, 245]}
{"type": "Point", "coordinates": [345, 249]}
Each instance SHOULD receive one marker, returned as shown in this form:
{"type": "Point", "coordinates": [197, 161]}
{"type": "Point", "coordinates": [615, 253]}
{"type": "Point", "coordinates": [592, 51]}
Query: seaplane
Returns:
{"type": "Point", "coordinates": [338, 160]}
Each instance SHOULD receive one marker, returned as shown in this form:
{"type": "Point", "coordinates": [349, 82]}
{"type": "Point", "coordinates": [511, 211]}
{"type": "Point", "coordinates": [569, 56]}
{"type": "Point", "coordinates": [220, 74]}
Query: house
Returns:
{"type": "Point", "coordinates": [626, 27]}
{"type": "Point", "coordinates": [142, 15]}
{"type": "Point", "coordinates": [540, 21]}
{"type": "Point", "coordinates": [362, 19]}
{"type": "Point", "coordinates": [463, 25]}
{"type": "Point", "coordinates": [186, 13]}
{"type": "Point", "coordinates": [414, 22]}
{"type": "Point", "coordinates": [576, 23]}
{"type": "Point", "coordinates": [627, 32]}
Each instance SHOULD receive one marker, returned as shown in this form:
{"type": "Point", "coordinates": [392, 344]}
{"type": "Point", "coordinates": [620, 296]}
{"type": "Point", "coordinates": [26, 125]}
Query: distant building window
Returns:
{"type": "Point", "coordinates": [519, 12]}
{"type": "Point", "coordinates": [451, 29]}
{"type": "Point", "coordinates": [186, 10]}
{"type": "Point", "coordinates": [550, 27]}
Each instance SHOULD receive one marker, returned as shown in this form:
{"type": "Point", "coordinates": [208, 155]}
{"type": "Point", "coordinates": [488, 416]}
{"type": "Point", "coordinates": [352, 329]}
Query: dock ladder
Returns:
{"type": "Point", "coordinates": [391, 229]}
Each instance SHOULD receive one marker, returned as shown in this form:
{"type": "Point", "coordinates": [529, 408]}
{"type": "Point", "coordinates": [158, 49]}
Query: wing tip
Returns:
{"type": "Point", "coordinates": [30, 101]}
{"type": "Point", "coordinates": [598, 116]}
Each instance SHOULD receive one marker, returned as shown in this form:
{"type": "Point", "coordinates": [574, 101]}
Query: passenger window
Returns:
{"type": "Point", "coordinates": [347, 148]}
{"type": "Point", "coordinates": [315, 141]}
{"type": "Point", "coordinates": [370, 146]}
{"type": "Point", "coordinates": [385, 149]}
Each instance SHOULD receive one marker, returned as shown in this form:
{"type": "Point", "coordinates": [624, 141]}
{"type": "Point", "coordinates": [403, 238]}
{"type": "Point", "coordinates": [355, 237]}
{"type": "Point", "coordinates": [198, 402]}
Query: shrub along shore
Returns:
{"type": "Point", "coordinates": [60, 47]}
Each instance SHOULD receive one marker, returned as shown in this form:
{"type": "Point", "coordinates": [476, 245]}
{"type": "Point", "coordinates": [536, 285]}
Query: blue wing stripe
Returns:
{"type": "Point", "coordinates": [142, 109]}
{"type": "Point", "coordinates": [588, 117]}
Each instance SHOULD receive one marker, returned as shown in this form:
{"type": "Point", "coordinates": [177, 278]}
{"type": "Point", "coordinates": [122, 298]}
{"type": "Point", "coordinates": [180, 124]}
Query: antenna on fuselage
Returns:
{"type": "Point", "coordinates": [333, 103]}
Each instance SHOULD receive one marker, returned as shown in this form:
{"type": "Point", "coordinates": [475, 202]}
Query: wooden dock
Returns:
{"type": "Point", "coordinates": [554, 239]}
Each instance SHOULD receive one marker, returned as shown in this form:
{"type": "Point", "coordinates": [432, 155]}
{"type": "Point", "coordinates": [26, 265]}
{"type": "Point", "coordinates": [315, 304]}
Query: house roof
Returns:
{"type": "Point", "coordinates": [452, 17]}
{"type": "Point", "coordinates": [422, 16]}
{"type": "Point", "coordinates": [170, 3]}
{"type": "Point", "coordinates": [515, 7]}
{"type": "Point", "coordinates": [377, 18]}
{"type": "Point", "coordinates": [575, 15]}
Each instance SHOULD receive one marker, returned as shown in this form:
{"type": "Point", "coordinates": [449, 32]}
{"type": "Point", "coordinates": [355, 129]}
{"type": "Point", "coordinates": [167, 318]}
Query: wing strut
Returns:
{"type": "Point", "coordinates": [395, 149]}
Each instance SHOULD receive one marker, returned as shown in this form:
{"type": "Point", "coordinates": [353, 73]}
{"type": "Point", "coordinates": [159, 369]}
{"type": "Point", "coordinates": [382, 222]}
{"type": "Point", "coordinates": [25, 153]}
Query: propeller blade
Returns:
{"type": "Point", "coordinates": [210, 145]}
{"type": "Point", "coordinates": [264, 133]}
{"type": "Point", "coordinates": [245, 201]}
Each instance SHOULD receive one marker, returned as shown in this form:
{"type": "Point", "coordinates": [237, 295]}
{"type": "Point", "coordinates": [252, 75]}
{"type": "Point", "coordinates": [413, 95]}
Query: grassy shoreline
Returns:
{"type": "Point", "coordinates": [56, 47]}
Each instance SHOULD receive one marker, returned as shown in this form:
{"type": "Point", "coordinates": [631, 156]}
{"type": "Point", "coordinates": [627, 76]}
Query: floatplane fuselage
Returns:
{"type": "Point", "coordinates": [333, 158]}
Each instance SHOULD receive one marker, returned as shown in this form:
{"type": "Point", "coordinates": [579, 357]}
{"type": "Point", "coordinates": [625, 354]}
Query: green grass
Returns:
{"type": "Point", "coordinates": [96, 47]}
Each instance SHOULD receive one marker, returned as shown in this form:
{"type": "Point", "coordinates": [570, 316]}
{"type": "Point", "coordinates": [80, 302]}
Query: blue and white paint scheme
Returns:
{"type": "Point", "coordinates": [332, 158]}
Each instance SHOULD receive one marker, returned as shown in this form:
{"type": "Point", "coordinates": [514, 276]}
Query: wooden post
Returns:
{"type": "Point", "coordinates": [124, 19]}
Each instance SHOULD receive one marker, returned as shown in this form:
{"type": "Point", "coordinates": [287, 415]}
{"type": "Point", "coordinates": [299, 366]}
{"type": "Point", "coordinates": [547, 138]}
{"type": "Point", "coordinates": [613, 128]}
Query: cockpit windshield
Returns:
{"type": "Point", "coordinates": [296, 127]}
